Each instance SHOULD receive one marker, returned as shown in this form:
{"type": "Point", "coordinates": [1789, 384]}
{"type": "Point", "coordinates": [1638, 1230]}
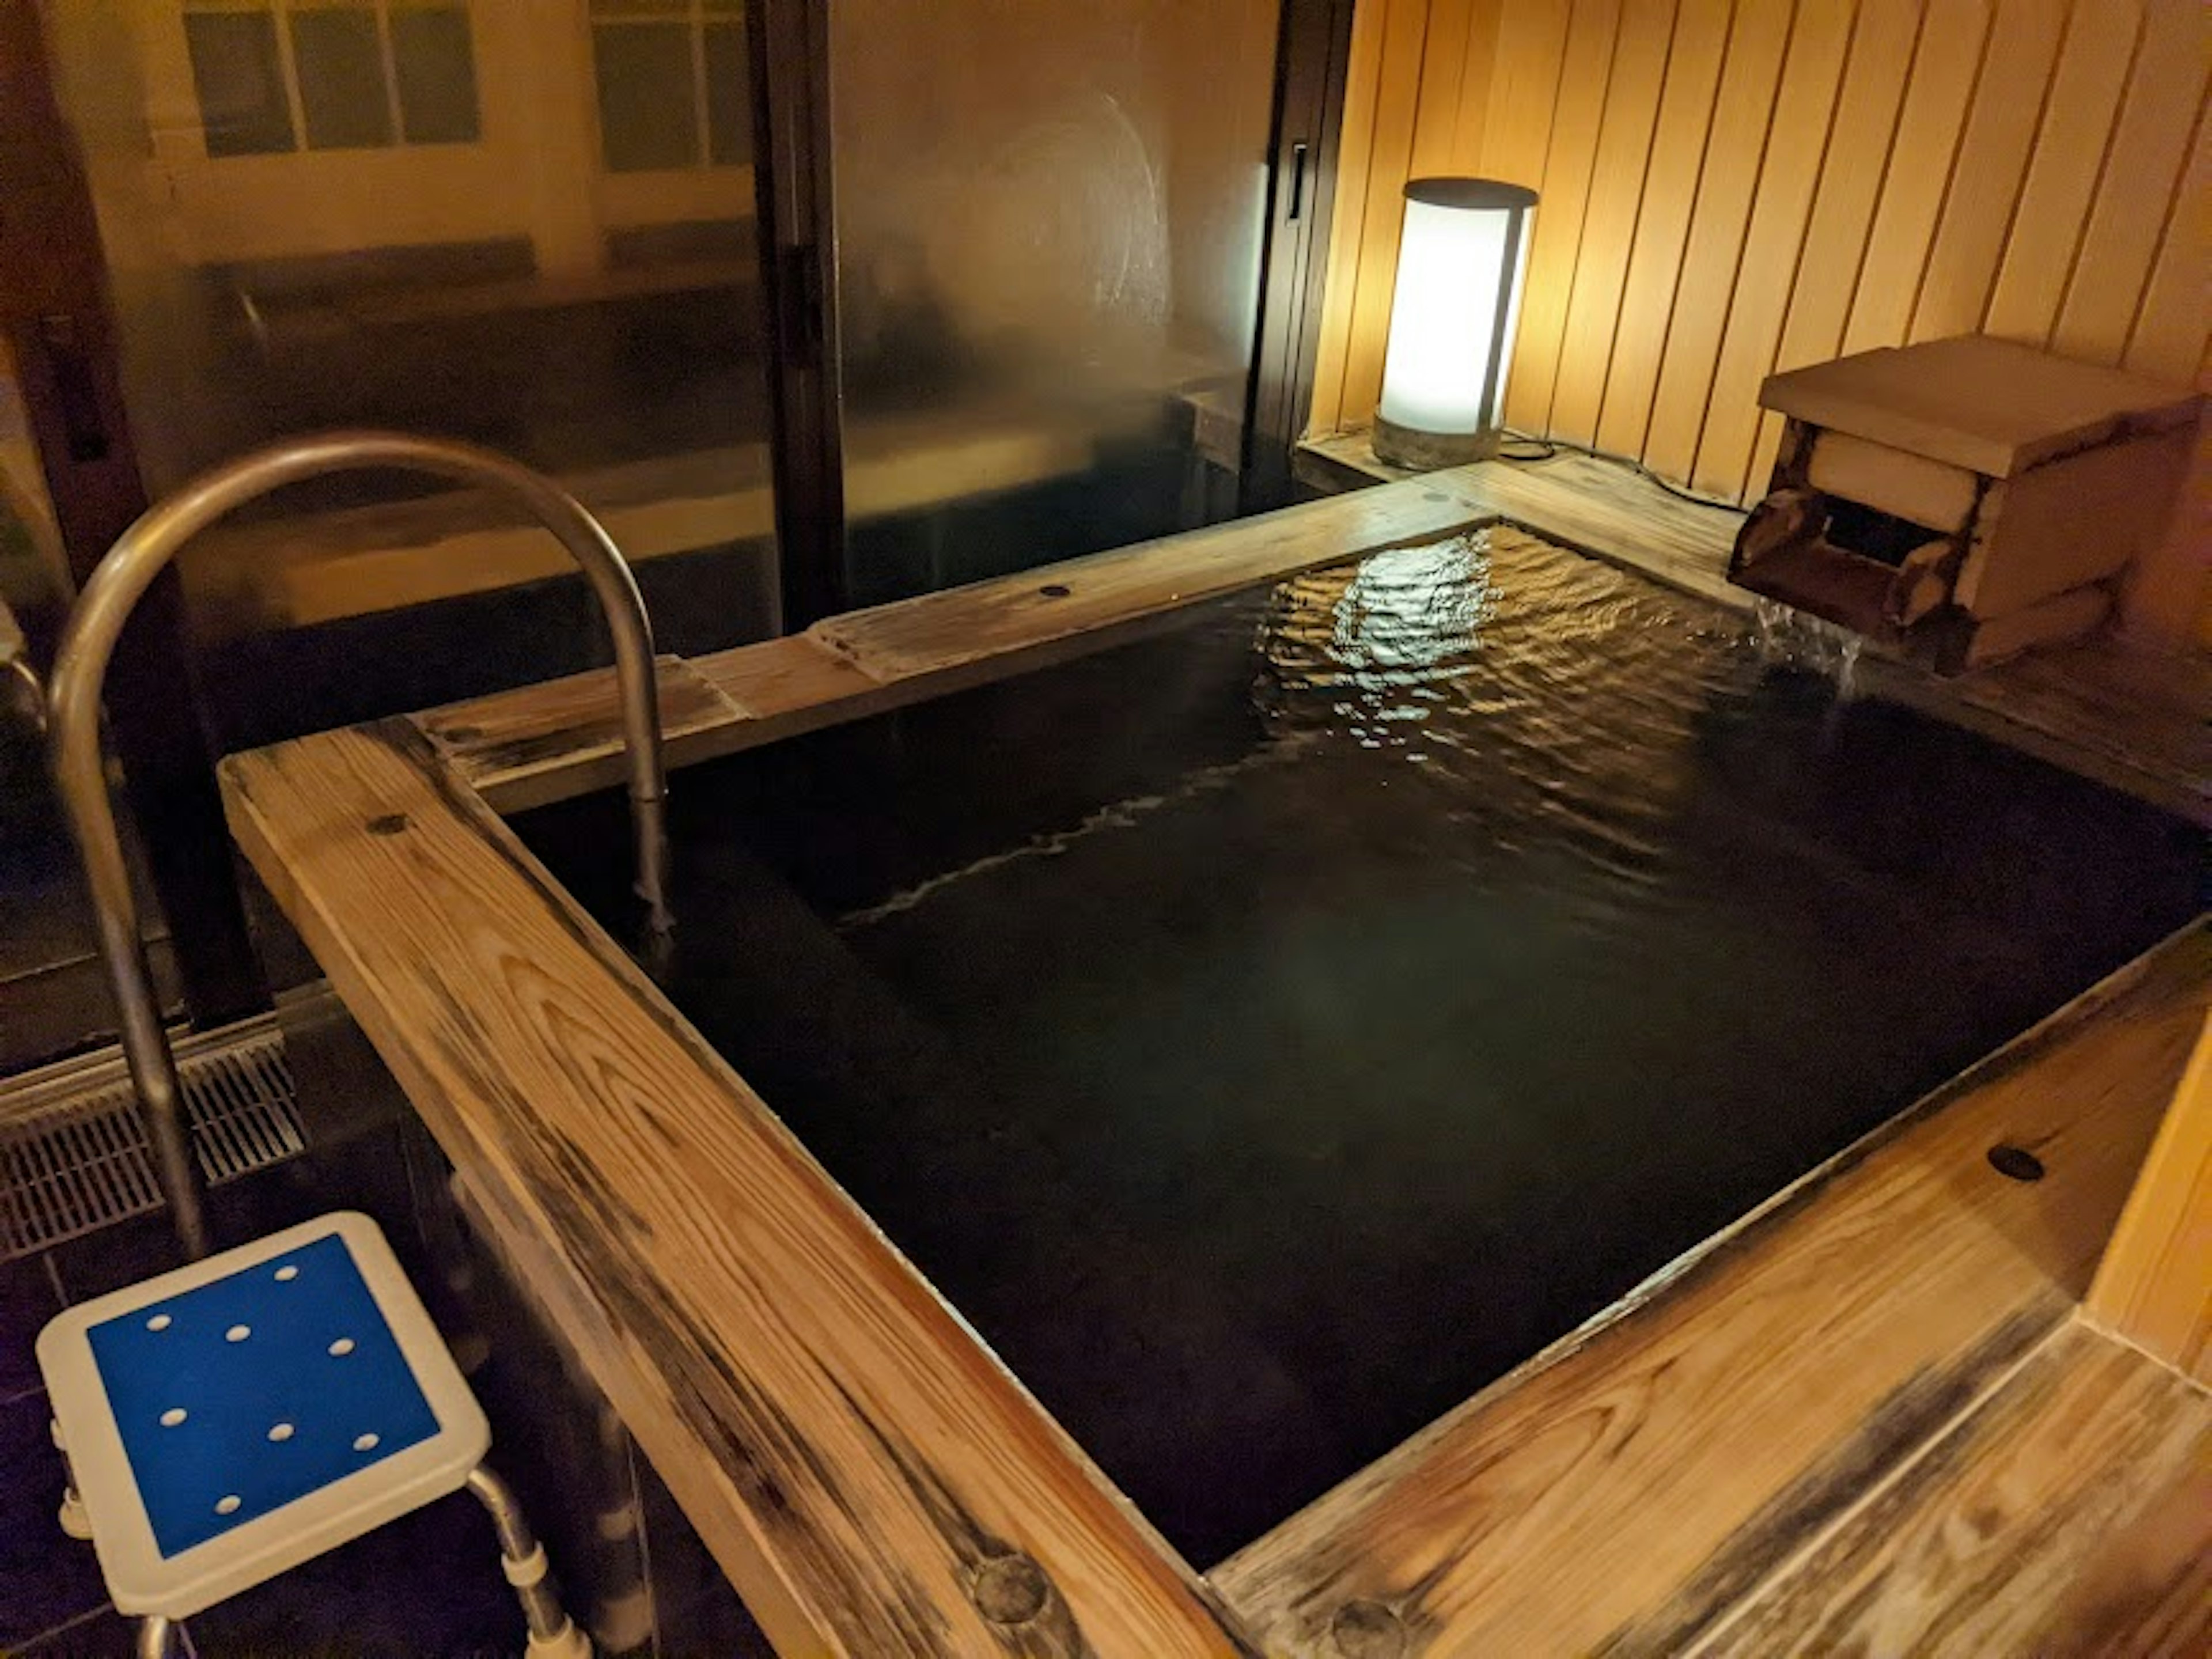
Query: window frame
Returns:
{"type": "Point", "coordinates": [696, 17]}
{"type": "Point", "coordinates": [280, 12]}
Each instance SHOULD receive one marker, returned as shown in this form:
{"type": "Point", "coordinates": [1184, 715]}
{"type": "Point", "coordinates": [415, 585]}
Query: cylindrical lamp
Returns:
{"type": "Point", "coordinates": [1462, 259]}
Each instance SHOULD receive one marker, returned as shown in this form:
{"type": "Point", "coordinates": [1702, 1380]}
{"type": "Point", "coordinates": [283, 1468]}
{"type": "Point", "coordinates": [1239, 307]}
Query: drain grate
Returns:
{"type": "Point", "coordinates": [73, 1156]}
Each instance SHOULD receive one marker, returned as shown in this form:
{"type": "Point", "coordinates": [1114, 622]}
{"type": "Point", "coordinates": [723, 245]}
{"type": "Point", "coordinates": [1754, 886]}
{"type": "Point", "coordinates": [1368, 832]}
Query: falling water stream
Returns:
{"type": "Point", "coordinates": [1798, 639]}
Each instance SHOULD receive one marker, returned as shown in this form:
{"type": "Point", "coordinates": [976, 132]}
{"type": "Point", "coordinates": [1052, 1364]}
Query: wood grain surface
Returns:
{"type": "Point", "coordinates": [541, 744]}
{"type": "Point", "coordinates": [1026, 620]}
{"type": "Point", "coordinates": [870, 1477]}
{"type": "Point", "coordinates": [2122, 710]}
{"type": "Point", "coordinates": [1626, 1489]}
{"type": "Point", "coordinates": [2068, 1513]}
{"type": "Point", "coordinates": [2155, 1285]}
{"type": "Point", "coordinates": [574, 720]}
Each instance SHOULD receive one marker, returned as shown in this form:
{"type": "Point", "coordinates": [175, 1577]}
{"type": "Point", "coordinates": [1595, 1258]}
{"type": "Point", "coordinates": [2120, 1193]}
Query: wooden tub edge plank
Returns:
{"type": "Point", "coordinates": [855, 1459]}
{"type": "Point", "coordinates": [1622, 1492]}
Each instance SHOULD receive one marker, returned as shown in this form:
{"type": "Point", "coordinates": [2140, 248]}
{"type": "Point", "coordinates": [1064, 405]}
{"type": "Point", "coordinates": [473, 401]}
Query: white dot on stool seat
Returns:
{"type": "Point", "coordinates": [342, 1347]}
{"type": "Point", "coordinates": [287, 1272]}
{"type": "Point", "coordinates": [172, 1416]}
{"type": "Point", "coordinates": [225, 1505]}
{"type": "Point", "coordinates": [364, 1443]}
{"type": "Point", "coordinates": [280, 1432]}
{"type": "Point", "coordinates": [238, 1334]}
{"type": "Point", "coordinates": [158, 1323]}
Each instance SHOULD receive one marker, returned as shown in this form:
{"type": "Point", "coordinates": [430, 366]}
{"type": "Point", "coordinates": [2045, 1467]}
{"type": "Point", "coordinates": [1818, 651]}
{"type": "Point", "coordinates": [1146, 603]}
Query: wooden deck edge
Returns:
{"type": "Point", "coordinates": [1606, 510]}
{"type": "Point", "coordinates": [531, 746]}
{"type": "Point", "coordinates": [538, 745]}
{"type": "Point", "coordinates": [868, 1475]}
{"type": "Point", "coordinates": [2064, 1510]}
{"type": "Point", "coordinates": [1747, 1229]}
{"type": "Point", "coordinates": [1628, 1486]}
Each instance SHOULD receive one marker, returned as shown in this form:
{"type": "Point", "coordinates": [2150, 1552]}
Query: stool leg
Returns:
{"type": "Point", "coordinates": [74, 1521]}
{"type": "Point", "coordinates": [155, 1638]}
{"type": "Point", "coordinates": [552, 1634]}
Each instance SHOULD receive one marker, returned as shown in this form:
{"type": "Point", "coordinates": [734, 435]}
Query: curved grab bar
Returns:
{"type": "Point", "coordinates": [16, 659]}
{"type": "Point", "coordinates": [81, 671]}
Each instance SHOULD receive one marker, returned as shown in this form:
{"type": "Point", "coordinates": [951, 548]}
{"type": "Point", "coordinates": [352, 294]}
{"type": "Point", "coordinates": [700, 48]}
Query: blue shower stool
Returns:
{"type": "Point", "coordinates": [228, 1421]}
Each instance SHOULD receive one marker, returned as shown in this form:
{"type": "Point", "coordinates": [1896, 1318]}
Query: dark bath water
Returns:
{"type": "Point", "coordinates": [1269, 1033]}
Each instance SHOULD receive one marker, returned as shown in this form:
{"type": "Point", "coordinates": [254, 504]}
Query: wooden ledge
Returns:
{"type": "Point", "coordinates": [870, 1477]}
{"type": "Point", "coordinates": [546, 743]}
{"type": "Point", "coordinates": [1626, 1490]}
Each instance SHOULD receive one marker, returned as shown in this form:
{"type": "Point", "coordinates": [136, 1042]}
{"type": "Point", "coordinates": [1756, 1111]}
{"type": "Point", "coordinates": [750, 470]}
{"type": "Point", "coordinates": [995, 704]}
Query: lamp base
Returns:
{"type": "Point", "coordinates": [1424, 452]}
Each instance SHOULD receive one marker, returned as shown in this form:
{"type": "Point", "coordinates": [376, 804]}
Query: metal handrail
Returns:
{"type": "Point", "coordinates": [81, 671]}
{"type": "Point", "coordinates": [16, 662]}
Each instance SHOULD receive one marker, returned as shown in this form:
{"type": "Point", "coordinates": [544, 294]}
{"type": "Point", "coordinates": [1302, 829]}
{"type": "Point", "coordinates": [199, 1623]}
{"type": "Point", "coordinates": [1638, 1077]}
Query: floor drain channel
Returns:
{"type": "Point", "coordinates": [73, 1157]}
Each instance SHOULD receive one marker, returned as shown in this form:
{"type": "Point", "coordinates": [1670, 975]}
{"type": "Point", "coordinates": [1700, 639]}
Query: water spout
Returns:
{"type": "Point", "coordinates": [1788, 638]}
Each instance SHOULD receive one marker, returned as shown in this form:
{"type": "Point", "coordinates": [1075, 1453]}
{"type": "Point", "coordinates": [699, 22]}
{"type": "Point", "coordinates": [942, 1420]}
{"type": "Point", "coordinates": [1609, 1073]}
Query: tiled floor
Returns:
{"type": "Point", "coordinates": [426, 1587]}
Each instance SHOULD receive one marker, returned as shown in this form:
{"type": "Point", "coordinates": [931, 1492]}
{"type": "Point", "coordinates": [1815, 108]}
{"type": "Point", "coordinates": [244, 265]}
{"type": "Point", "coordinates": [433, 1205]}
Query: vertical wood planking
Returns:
{"type": "Point", "coordinates": [1571, 155]}
{"type": "Point", "coordinates": [1390, 166]}
{"type": "Point", "coordinates": [1476, 56]}
{"type": "Point", "coordinates": [1348, 216]}
{"type": "Point", "coordinates": [2170, 334]}
{"type": "Point", "coordinates": [1991, 168]}
{"type": "Point", "coordinates": [1662, 221]}
{"type": "Point", "coordinates": [1735, 186]}
{"type": "Point", "coordinates": [1796, 145]}
{"type": "Point", "coordinates": [1736, 152]}
{"type": "Point", "coordinates": [1944, 70]}
{"type": "Point", "coordinates": [1616, 193]}
{"type": "Point", "coordinates": [2063, 176]}
{"type": "Point", "coordinates": [1524, 84]}
{"type": "Point", "coordinates": [1882, 45]}
{"type": "Point", "coordinates": [1448, 99]}
{"type": "Point", "coordinates": [2150, 146]}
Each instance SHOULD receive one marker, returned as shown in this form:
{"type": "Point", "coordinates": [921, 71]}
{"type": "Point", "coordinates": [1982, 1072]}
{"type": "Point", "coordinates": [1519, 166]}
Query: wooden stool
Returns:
{"type": "Point", "coordinates": [229, 1420]}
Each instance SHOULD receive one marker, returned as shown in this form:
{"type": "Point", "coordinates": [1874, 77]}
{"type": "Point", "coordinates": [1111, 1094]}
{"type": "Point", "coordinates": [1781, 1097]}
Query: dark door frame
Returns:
{"type": "Point", "coordinates": [795, 194]}
{"type": "Point", "coordinates": [59, 329]}
{"type": "Point", "coordinates": [1312, 67]}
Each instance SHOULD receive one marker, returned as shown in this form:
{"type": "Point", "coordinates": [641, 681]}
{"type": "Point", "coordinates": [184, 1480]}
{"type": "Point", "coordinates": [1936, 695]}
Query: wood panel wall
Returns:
{"type": "Point", "coordinates": [1735, 186]}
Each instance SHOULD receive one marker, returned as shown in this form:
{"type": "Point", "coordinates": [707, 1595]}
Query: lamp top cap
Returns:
{"type": "Point", "coordinates": [1469, 193]}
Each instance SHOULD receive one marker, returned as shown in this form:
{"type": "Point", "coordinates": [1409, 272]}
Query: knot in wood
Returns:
{"type": "Point", "coordinates": [1010, 1589]}
{"type": "Point", "coordinates": [1367, 1630]}
{"type": "Point", "coordinates": [2016, 1162]}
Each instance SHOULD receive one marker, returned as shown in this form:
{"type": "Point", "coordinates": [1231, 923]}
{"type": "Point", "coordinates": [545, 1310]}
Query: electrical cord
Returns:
{"type": "Point", "coordinates": [1521, 447]}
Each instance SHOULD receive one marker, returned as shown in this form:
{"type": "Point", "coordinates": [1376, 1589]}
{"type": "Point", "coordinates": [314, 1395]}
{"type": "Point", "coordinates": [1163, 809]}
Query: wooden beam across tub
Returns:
{"type": "Point", "coordinates": [2129, 718]}
{"type": "Point", "coordinates": [870, 1477]}
{"type": "Point", "coordinates": [546, 743]}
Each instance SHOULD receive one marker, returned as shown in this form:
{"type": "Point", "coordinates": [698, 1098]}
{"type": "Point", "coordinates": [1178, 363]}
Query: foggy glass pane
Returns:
{"type": "Point", "coordinates": [729, 96]}
{"type": "Point", "coordinates": [341, 69]}
{"type": "Point", "coordinates": [495, 291]}
{"type": "Point", "coordinates": [648, 114]}
{"type": "Point", "coordinates": [239, 83]}
{"type": "Point", "coordinates": [437, 75]}
{"type": "Point", "coordinates": [1048, 225]}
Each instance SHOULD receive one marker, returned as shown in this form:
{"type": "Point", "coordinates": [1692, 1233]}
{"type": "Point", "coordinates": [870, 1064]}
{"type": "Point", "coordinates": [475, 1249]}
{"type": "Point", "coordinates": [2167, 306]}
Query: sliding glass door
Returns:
{"type": "Point", "coordinates": [1049, 223]}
